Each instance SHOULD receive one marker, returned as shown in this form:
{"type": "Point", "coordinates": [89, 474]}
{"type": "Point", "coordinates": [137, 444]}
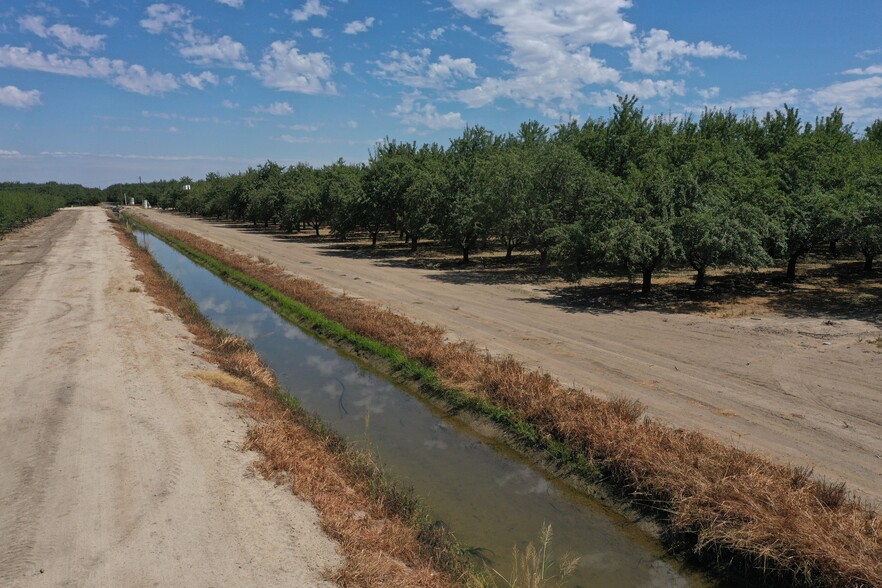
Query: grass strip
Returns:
{"type": "Point", "coordinates": [722, 503]}
{"type": "Point", "coordinates": [385, 532]}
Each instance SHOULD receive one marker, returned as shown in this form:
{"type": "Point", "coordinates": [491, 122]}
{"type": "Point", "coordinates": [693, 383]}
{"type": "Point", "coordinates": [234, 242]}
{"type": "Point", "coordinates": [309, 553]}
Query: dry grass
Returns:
{"type": "Point", "coordinates": [374, 524]}
{"type": "Point", "coordinates": [534, 567]}
{"type": "Point", "coordinates": [726, 503]}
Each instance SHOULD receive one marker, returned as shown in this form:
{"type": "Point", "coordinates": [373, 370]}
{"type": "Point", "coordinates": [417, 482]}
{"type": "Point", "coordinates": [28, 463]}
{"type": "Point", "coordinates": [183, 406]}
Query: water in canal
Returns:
{"type": "Point", "coordinates": [489, 496]}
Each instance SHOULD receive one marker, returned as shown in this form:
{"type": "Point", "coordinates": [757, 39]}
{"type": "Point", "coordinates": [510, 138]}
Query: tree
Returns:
{"type": "Point", "coordinates": [809, 177]}
{"type": "Point", "coordinates": [467, 215]}
{"type": "Point", "coordinates": [388, 177]}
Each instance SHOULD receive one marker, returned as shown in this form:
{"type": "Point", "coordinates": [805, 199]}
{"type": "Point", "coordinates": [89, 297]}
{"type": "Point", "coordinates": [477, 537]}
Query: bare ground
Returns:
{"type": "Point", "coordinates": [801, 387]}
{"type": "Point", "coordinates": [116, 468]}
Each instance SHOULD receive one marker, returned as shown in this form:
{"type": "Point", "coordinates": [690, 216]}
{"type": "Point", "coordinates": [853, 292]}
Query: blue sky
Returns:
{"type": "Point", "coordinates": [97, 93]}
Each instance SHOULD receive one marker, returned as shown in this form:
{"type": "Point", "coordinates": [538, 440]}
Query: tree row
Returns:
{"type": "Point", "coordinates": [631, 192]}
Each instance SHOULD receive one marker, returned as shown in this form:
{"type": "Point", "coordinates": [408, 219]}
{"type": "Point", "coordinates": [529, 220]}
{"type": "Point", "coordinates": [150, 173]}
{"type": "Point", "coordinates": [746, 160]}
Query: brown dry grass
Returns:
{"type": "Point", "coordinates": [373, 523]}
{"type": "Point", "coordinates": [724, 502]}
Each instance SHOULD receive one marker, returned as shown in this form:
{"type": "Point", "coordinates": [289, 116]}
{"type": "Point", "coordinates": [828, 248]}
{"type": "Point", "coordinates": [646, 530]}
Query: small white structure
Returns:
{"type": "Point", "coordinates": [131, 200]}
{"type": "Point", "coordinates": [147, 204]}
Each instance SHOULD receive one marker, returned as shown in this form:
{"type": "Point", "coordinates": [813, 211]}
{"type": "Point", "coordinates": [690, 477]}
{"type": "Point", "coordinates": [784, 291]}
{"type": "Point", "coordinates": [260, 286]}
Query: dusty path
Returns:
{"type": "Point", "coordinates": [116, 469]}
{"type": "Point", "coordinates": [806, 391]}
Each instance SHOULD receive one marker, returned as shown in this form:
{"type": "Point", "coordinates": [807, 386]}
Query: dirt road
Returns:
{"type": "Point", "coordinates": [803, 390]}
{"type": "Point", "coordinates": [116, 469]}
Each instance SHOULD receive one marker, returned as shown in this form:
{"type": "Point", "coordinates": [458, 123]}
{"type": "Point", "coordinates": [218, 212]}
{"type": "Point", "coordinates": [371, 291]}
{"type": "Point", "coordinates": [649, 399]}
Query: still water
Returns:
{"type": "Point", "coordinates": [488, 495]}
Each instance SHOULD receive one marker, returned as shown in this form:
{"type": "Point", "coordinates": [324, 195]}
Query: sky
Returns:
{"type": "Point", "coordinates": [99, 92]}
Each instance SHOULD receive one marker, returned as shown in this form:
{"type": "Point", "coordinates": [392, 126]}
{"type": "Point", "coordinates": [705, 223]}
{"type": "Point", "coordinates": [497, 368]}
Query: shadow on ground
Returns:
{"type": "Point", "coordinates": [834, 289]}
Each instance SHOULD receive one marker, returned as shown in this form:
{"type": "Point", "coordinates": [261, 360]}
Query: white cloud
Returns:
{"type": "Point", "coordinates": [220, 52]}
{"type": "Point", "coordinates": [352, 124]}
{"type": "Point", "coordinates": [709, 93]}
{"type": "Point", "coordinates": [436, 33]}
{"type": "Point", "coordinates": [16, 98]}
{"type": "Point", "coordinates": [657, 50]}
{"type": "Point", "coordinates": [866, 71]}
{"type": "Point", "coordinates": [133, 78]}
{"type": "Point", "coordinates": [201, 80]}
{"type": "Point", "coordinates": [229, 104]}
{"type": "Point", "coordinates": [70, 37]}
{"type": "Point", "coordinates": [414, 111]}
{"type": "Point", "coordinates": [359, 26]}
{"type": "Point", "coordinates": [283, 67]}
{"type": "Point", "coordinates": [232, 3]}
{"type": "Point", "coordinates": [193, 45]}
{"type": "Point", "coordinates": [276, 109]}
{"type": "Point", "coordinates": [10, 154]}
{"type": "Point", "coordinates": [549, 48]}
{"type": "Point", "coordinates": [418, 71]}
{"type": "Point", "coordinates": [162, 16]}
{"type": "Point", "coordinates": [309, 9]}
{"type": "Point", "coordinates": [860, 99]}
{"type": "Point", "coordinates": [317, 33]}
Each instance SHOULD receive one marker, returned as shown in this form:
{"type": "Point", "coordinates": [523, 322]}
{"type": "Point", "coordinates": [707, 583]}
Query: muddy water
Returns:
{"type": "Point", "coordinates": [489, 496]}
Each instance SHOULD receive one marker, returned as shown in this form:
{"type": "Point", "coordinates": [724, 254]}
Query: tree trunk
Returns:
{"type": "Point", "coordinates": [374, 238]}
{"type": "Point", "coordinates": [316, 227]}
{"type": "Point", "coordinates": [647, 282]}
{"type": "Point", "coordinates": [543, 260]}
{"type": "Point", "coordinates": [465, 254]}
{"type": "Point", "coordinates": [791, 268]}
{"type": "Point", "coordinates": [868, 262]}
{"type": "Point", "coordinates": [833, 249]}
{"type": "Point", "coordinates": [508, 250]}
{"type": "Point", "coordinates": [699, 278]}
{"type": "Point", "coordinates": [413, 242]}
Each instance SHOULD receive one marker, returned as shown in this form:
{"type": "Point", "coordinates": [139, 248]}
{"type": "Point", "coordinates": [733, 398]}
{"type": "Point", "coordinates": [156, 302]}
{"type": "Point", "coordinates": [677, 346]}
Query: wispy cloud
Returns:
{"type": "Point", "coordinates": [71, 38]}
{"type": "Point", "coordinates": [134, 78]}
{"type": "Point", "coordinates": [276, 109]}
{"type": "Point", "coordinates": [419, 71]}
{"type": "Point", "coordinates": [656, 51]}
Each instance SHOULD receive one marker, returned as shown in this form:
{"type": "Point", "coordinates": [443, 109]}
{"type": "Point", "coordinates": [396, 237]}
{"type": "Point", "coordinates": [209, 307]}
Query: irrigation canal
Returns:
{"type": "Point", "coordinates": [485, 492]}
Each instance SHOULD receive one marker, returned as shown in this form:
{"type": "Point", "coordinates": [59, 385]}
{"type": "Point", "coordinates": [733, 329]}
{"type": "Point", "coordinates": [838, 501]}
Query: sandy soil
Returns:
{"type": "Point", "coordinates": [116, 469]}
{"type": "Point", "coordinates": [803, 389]}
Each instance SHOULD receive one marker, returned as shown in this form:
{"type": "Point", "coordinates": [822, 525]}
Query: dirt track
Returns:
{"type": "Point", "coordinates": [116, 469]}
{"type": "Point", "coordinates": [804, 390]}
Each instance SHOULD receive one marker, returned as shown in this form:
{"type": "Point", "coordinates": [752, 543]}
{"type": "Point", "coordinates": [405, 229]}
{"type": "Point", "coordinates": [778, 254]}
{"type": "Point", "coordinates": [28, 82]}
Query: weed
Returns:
{"type": "Point", "coordinates": [534, 567]}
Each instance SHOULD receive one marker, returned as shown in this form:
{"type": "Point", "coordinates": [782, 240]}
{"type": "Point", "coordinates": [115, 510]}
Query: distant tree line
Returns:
{"type": "Point", "coordinates": [24, 203]}
{"type": "Point", "coordinates": [631, 192]}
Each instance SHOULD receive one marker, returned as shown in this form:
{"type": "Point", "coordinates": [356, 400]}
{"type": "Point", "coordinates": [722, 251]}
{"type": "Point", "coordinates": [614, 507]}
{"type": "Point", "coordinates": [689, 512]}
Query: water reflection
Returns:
{"type": "Point", "coordinates": [482, 490]}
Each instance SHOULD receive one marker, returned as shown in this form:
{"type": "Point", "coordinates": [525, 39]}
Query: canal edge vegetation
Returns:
{"type": "Point", "coordinates": [384, 531]}
{"type": "Point", "coordinates": [733, 509]}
